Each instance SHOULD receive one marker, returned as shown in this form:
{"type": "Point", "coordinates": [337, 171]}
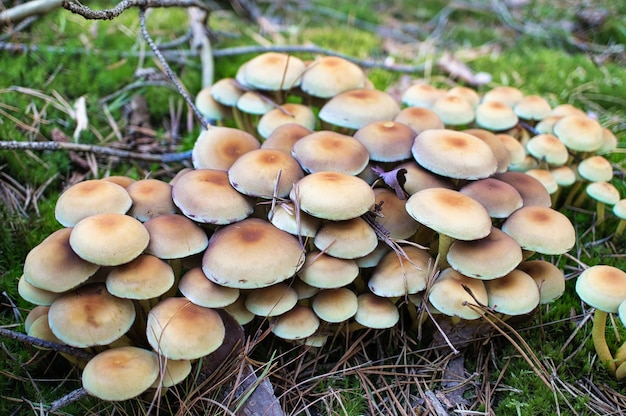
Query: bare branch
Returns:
{"type": "Point", "coordinates": [76, 352]}
{"type": "Point", "coordinates": [122, 6]}
{"type": "Point", "coordinates": [100, 150]}
{"type": "Point", "coordinates": [25, 10]}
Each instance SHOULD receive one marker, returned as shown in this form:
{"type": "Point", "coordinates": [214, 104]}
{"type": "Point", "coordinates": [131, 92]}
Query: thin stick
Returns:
{"type": "Point", "coordinates": [76, 352]}
{"type": "Point", "coordinates": [122, 6]}
{"type": "Point", "coordinates": [168, 70]}
{"type": "Point", "coordinates": [100, 150]}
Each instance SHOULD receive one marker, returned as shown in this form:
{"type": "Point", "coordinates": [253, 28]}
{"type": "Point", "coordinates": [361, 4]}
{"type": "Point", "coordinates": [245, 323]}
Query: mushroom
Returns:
{"type": "Point", "coordinates": [549, 278]}
{"type": "Point", "coordinates": [450, 294]}
{"type": "Point", "coordinates": [272, 300]}
{"type": "Point", "coordinates": [335, 305]}
{"type": "Point", "coordinates": [495, 116]}
{"type": "Point", "coordinates": [90, 197]}
{"type": "Point", "coordinates": [219, 147]}
{"type": "Point", "coordinates": [323, 271]}
{"type": "Point", "coordinates": [174, 236]}
{"type": "Point", "coordinates": [604, 288]}
{"type": "Point", "coordinates": [90, 316]}
{"type": "Point", "coordinates": [53, 266]}
{"type": "Point", "coordinates": [333, 195]}
{"type": "Point", "coordinates": [401, 273]}
{"type": "Point", "coordinates": [285, 136]}
{"type": "Point", "coordinates": [347, 239]}
{"type": "Point", "coordinates": [250, 254]}
{"type": "Point", "coordinates": [515, 293]}
{"type": "Point", "coordinates": [332, 152]}
{"type": "Point", "coordinates": [195, 286]}
{"type": "Point", "coordinates": [151, 197]}
{"type": "Point", "coordinates": [421, 95]}
{"type": "Point", "coordinates": [109, 239]}
{"type": "Point", "coordinates": [453, 110]}
{"type": "Point", "coordinates": [286, 114]}
{"type": "Point", "coordinates": [376, 312]}
{"type": "Point", "coordinates": [181, 330]}
{"type": "Point", "coordinates": [225, 206]}
{"type": "Point", "coordinates": [120, 373]}
{"type": "Point", "coordinates": [419, 119]}
{"type": "Point", "coordinates": [298, 323]}
{"type": "Point", "coordinates": [272, 71]}
{"type": "Point", "coordinates": [355, 108]}
{"type": "Point", "coordinates": [330, 75]}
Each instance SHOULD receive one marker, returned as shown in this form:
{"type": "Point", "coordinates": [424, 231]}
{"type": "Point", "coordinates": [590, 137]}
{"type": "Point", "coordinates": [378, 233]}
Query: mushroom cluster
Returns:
{"type": "Point", "coordinates": [358, 215]}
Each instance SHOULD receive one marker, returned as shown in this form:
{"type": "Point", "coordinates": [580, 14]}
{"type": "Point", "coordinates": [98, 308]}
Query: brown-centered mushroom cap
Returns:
{"type": "Point", "coordinates": [513, 294]}
{"type": "Point", "coordinates": [541, 229]}
{"type": "Point", "coordinates": [298, 323]}
{"type": "Point", "coordinates": [449, 295]}
{"type": "Point", "coordinates": [331, 75]}
{"type": "Point", "coordinates": [180, 329]}
{"type": "Point", "coordinates": [331, 151]}
{"type": "Point", "coordinates": [52, 265]}
{"type": "Point", "coordinates": [272, 300]}
{"type": "Point", "coordinates": [324, 271]}
{"type": "Point", "coordinates": [603, 287]}
{"type": "Point", "coordinates": [401, 273]}
{"type": "Point", "coordinates": [109, 239]}
{"type": "Point", "coordinates": [219, 147]}
{"type": "Point", "coordinates": [347, 239]}
{"type": "Point", "coordinates": [335, 305]}
{"type": "Point", "coordinates": [499, 198]}
{"type": "Point", "coordinates": [151, 197]}
{"type": "Point", "coordinates": [196, 287]}
{"type": "Point", "coordinates": [120, 373]}
{"type": "Point", "coordinates": [90, 197]}
{"type": "Point", "coordinates": [355, 108]}
{"type": "Point", "coordinates": [450, 212]}
{"type": "Point", "coordinates": [251, 253]}
{"type": "Point", "coordinates": [174, 236]}
{"type": "Point", "coordinates": [333, 195]}
{"type": "Point", "coordinates": [454, 154]}
{"type": "Point", "coordinates": [145, 277]}
{"type": "Point", "coordinates": [387, 141]}
{"type": "Point", "coordinates": [286, 114]}
{"type": "Point", "coordinates": [90, 316]}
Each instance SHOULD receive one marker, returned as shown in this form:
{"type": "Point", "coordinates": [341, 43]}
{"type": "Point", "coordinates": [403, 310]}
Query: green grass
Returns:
{"type": "Point", "coordinates": [535, 65]}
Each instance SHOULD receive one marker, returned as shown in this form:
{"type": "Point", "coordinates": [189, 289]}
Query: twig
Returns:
{"type": "Point", "coordinates": [122, 6]}
{"type": "Point", "coordinates": [76, 352]}
{"type": "Point", "coordinates": [168, 70]}
{"type": "Point", "coordinates": [100, 150]}
{"type": "Point", "coordinates": [22, 11]}
{"type": "Point", "coordinates": [70, 397]}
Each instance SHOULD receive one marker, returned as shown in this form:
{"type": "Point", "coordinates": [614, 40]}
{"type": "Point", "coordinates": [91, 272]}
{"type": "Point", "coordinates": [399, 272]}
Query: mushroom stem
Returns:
{"type": "Point", "coordinates": [600, 212]}
{"type": "Point", "coordinates": [572, 193]}
{"type": "Point", "coordinates": [621, 225]}
{"type": "Point", "coordinates": [620, 372]}
{"type": "Point", "coordinates": [599, 340]}
{"type": "Point", "coordinates": [445, 241]}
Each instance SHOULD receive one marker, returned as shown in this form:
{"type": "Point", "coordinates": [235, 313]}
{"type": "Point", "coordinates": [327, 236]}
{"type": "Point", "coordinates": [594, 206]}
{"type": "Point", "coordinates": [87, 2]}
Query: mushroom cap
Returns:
{"type": "Point", "coordinates": [330, 151]}
{"type": "Point", "coordinates": [417, 178]}
{"type": "Point", "coordinates": [172, 372]}
{"type": "Point", "coordinates": [250, 254]}
{"type": "Point", "coordinates": [333, 195]}
{"type": "Point", "coordinates": [454, 154]}
{"type": "Point", "coordinates": [182, 330]}
{"type": "Point", "coordinates": [285, 136]}
{"type": "Point", "coordinates": [90, 197]}
{"type": "Point", "coordinates": [549, 278]}
{"type": "Point", "coordinates": [35, 295]}
{"type": "Point", "coordinates": [347, 239]}
{"type": "Point", "coordinates": [564, 175]}
{"type": "Point", "coordinates": [273, 71]}
{"type": "Point", "coordinates": [499, 198]}
{"type": "Point", "coordinates": [532, 107]}
{"type": "Point", "coordinates": [603, 287]}
{"type": "Point", "coordinates": [226, 91]}
{"type": "Point", "coordinates": [109, 239]}
{"type": "Point", "coordinates": [144, 277]}
{"type": "Point", "coordinates": [376, 312]}
{"type": "Point", "coordinates": [517, 153]}
{"type": "Point", "coordinates": [505, 94]}
{"type": "Point", "coordinates": [324, 271]}
{"type": "Point", "coordinates": [355, 108]}
{"type": "Point", "coordinates": [495, 116]}
{"type": "Point", "coordinates": [335, 305]}
{"type": "Point", "coordinates": [120, 180]}
{"type": "Point", "coordinates": [609, 142]}
{"type": "Point", "coordinates": [469, 94]}
{"type": "Point", "coordinates": [52, 265]}
{"type": "Point", "coordinates": [549, 148]}
{"type": "Point", "coordinates": [272, 300]}
{"type": "Point", "coordinates": [331, 75]}
{"type": "Point", "coordinates": [395, 219]}
{"type": "Point", "coordinates": [619, 209]}
{"type": "Point", "coordinates": [531, 190]}
{"type": "Point", "coordinates": [286, 218]}
{"type": "Point", "coordinates": [300, 322]}
{"type": "Point", "coordinates": [265, 173]}
{"type": "Point", "coordinates": [386, 141]}
{"type": "Point", "coordinates": [421, 95]}
{"type": "Point", "coordinates": [449, 296]}
{"type": "Point", "coordinates": [485, 259]}
{"type": "Point", "coordinates": [219, 147]}
{"type": "Point", "coordinates": [503, 158]}
{"type": "Point", "coordinates": [195, 286]}
{"type": "Point", "coordinates": [286, 114]}
{"type": "Point", "coordinates": [453, 110]}
{"type": "Point", "coordinates": [604, 192]}
{"type": "Point", "coordinates": [516, 293]}
{"type": "Point", "coordinates": [596, 169]}
{"type": "Point", "coordinates": [90, 316]}
{"type": "Point", "coordinates": [579, 133]}
{"type": "Point", "coordinates": [225, 206]}
{"type": "Point", "coordinates": [400, 274]}
{"type": "Point", "coordinates": [208, 106]}
{"type": "Point", "coordinates": [120, 373]}
{"type": "Point", "coordinates": [174, 236]}
{"type": "Point", "coordinates": [450, 212]}
{"type": "Point", "coordinates": [419, 119]}
{"type": "Point", "coordinates": [252, 102]}
{"type": "Point", "coordinates": [545, 177]}
{"type": "Point", "coordinates": [541, 229]}
{"type": "Point", "coordinates": [238, 311]}
{"type": "Point", "coordinates": [151, 197]}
